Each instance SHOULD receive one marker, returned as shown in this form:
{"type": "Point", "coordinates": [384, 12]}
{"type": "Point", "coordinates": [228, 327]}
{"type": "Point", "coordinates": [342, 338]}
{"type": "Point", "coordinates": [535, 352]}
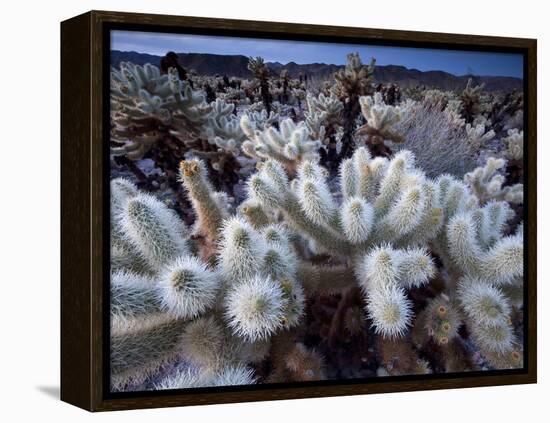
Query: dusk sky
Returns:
{"type": "Point", "coordinates": [303, 52]}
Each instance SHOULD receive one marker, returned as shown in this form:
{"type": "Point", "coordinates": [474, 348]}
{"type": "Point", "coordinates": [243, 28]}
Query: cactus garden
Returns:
{"type": "Point", "coordinates": [273, 225]}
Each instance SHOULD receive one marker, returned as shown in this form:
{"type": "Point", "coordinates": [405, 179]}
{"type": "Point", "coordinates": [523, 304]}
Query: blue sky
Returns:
{"type": "Point", "coordinates": [455, 62]}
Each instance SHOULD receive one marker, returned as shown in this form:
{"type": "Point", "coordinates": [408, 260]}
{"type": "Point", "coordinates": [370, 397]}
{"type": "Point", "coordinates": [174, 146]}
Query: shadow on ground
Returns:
{"type": "Point", "coordinates": [50, 391]}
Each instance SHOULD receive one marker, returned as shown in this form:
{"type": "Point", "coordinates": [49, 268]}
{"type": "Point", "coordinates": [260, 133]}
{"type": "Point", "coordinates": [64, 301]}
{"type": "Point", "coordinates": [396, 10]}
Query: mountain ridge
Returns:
{"type": "Point", "coordinates": [236, 66]}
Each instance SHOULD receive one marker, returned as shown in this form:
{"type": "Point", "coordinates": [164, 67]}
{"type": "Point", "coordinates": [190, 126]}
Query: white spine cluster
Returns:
{"type": "Point", "coordinates": [257, 121]}
{"type": "Point", "coordinates": [290, 145]}
{"type": "Point", "coordinates": [379, 116]}
{"type": "Point", "coordinates": [133, 295]}
{"type": "Point", "coordinates": [452, 112]}
{"type": "Point", "coordinates": [241, 250]}
{"type": "Point", "coordinates": [514, 144]}
{"type": "Point", "coordinates": [223, 128]}
{"type": "Point", "coordinates": [383, 201]}
{"type": "Point", "coordinates": [187, 287]}
{"type": "Point", "coordinates": [492, 264]}
{"type": "Point", "coordinates": [384, 275]}
{"type": "Point", "coordinates": [153, 229]}
{"type": "Point", "coordinates": [488, 312]}
{"type": "Point", "coordinates": [478, 247]}
{"type": "Point", "coordinates": [124, 255]}
{"type": "Point", "coordinates": [357, 219]}
{"type": "Point", "coordinates": [255, 266]}
{"type": "Point", "coordinates": [487, 183]}
{"type": "Point", "coordinates": [323, 111]}
{"type": "Point", "coordinates": [254, 308]}
{"type": "Point", "coordinates": [355, 77]}
{"type": "Point", "coordinates": [234, 375]}
{"type": "Point", "coordinates": [477, 135]}
{"type": "Point", "coordinates": [190, 377]}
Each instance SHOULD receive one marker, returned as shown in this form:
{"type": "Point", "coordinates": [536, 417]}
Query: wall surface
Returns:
{"type": "Point", "coordinates": [29, 230]}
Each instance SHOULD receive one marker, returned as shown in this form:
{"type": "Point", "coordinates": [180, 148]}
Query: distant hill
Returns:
{"type": "Point", "coordinates": [236, 66]}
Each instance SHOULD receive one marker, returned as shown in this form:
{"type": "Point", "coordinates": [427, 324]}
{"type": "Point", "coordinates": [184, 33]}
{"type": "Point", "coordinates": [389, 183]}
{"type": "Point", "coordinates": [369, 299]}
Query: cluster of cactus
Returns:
{"type": "Point", "coordinates": [161, 117]}
{"type": "Point", "coordinates": [505, 110]}
{"type": "Point", "coordinates": [146, 104]}
{"type": "Point", "coordinates": [488, 265]}
{"type": "Point", "coordinates": [213, 297]}
{"type": "Point", "coordinates": [488, 183]}
{"type": "Point", "coordinates": [290, 145]}
{"type": "Point", "coordinates": [156, 115]}
{"type": "Point", "coordinates": [478, 135]}
{"type": "Point", "coordinates": [379, 121]}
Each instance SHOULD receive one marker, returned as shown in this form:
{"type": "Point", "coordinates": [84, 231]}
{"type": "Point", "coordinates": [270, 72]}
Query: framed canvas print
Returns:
{"type": "Point", "coordinates": [257, 210]}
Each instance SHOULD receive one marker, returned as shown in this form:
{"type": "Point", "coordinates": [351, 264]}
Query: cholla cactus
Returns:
{"type": "Point", "coordinates": [133, 295]}
{"type": "Point", "coordinates": [490, 262]}
{"type": "Point", "coordinates": [222, 315]}
{"type": "Point", "coordinates": [210, 207]}
{"type": "Point", "coordinates": [124, 255]}
{"type": "Point", "coordinates": [441, 320]}
{"type": "Point", "coordinates": [514, 145]}
{"type": "Point", "coordinates": [312, 242]}
{"type": "Point", "coordinates": [196, 307]}
{"type": "Point", "coordinates": [255, 308]}
{"type": "Point", "coordinates": [477, 135]}
{"type": "Point", "coordinates": [483, 265]}
{"type": "Point", "coordinates": [355, 77]}
{"type": "Point", "coordinates": [352, 82]}
{"type": "Point", "coordinates": [477, 246]}
{"type": "Point", "coordinates": [380, 119]}
{"type": "Point", "coordinates": [231, 375]}
{"type": "Point", "coordinates": [297, 363]}
{"type": "Point", "coordinates": [487, 183]}
{"type": "Point", "coordinates": [147, 105]}
{"type": "Point", "coordinates": [258, 67]}
{"type": "Point", "coordinates": [161, 117]}
{"type": "Point", "coordinates": [260, 71]}
{"type": "Point", "coordinates": [223, 128]}
{"type": "Point", "coordinates": [437, 99]}
{"type": "Point", "coordinates": [514, 154]}
{"type": "Point", "coordinates": [324, 118]}
{"type": "Point", "coordinates": [391, 93]}
{"type": "Point", "coordinates": [385, 274]}
{"type": "Point", "coordinates": [326, 109]}
{"type": "Point", "coordinates": [383, 202]}
{"type": "Point", "coordinates": [258, 120]}
{"type": "Point", "coordinates": [291, 145]}
{"type": "Point", "coordinates": [299, 95]}
{"type": "Point", "coordinates": [396, 197]}
{"type": "Point", "coordinates": [175, 312]}
{"type": "Point", "coordinates": [452, 112]}
{"type": "Point", "coordinates": [470, 100]}
{"type": "Point", "coordinates": [187, 287]}
{"type": "Point", "coordinates": [153, 230]}
{"type": "Point", "coordinates": [391, 202]}
{"type": "Point", "coordinates": [488, 314]}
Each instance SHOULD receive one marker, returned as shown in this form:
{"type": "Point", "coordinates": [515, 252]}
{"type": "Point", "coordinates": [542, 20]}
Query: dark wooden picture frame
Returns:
{"type": "Point", "coordinates": [85, 212]}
